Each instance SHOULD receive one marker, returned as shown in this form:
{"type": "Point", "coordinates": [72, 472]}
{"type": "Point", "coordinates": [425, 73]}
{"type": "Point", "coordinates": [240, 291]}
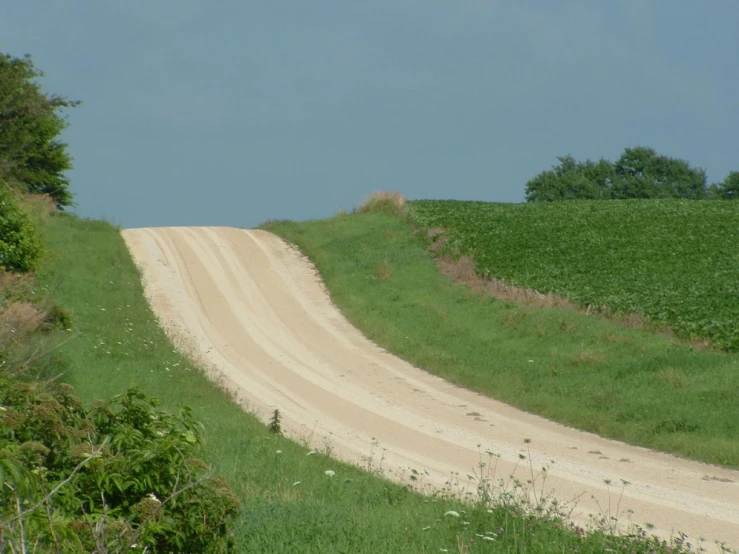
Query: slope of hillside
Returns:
{"type": "Point", "coordinates": [246, 304]}
{"type": "Point", "coordinates": [643, 388]}
{"type": "Point", "coordinates": [294, 499]}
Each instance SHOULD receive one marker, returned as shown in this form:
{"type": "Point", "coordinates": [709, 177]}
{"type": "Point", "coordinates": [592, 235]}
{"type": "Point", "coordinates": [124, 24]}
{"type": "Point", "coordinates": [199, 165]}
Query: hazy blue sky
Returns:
{"type": "Point", "coordinates": [234, 112]}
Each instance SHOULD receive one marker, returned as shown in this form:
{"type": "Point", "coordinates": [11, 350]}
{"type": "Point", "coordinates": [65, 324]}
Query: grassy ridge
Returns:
{"type": "Point", "coordinates": [642, 388]}
{"type": "Point", "coordinates": [674, 261]}
{"type": "Point", "coordinates": [289, 503]}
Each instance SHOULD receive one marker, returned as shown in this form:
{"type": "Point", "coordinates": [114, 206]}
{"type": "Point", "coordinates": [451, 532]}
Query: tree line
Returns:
{"type": "Point", "coordinates": [640, 172]}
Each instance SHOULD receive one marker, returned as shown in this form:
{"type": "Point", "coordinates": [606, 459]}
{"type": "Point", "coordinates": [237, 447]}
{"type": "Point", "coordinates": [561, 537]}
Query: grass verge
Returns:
{"type": "Point", "coordinates": [290, 502]}
{"type": "Point", "coordinates": [643, 388]}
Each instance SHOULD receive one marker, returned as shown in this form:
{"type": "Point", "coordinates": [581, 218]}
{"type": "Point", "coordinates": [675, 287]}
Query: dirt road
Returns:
{"type": "Point", "coordinates": [254, 310]}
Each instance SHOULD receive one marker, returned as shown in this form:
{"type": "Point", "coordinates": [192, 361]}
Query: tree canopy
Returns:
{"type": "Point", "coordinates": [728, 189]}
{"type": "Point", "coordinates": [32, 157]}
{"type": "Point", "coordinates": [639, 173]}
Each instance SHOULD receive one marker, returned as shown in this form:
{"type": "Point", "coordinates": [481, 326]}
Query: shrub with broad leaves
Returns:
{"type": "Point", "coordinates": [123, 475]}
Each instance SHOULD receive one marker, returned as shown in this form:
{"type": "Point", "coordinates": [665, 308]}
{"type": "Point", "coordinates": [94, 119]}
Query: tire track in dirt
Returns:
{"type": "Point", "coordinates": [253, 310]}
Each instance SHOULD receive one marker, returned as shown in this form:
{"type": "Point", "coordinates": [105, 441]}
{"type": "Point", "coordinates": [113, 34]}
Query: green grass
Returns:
{"type": "Point", "coordinates": [116, 342]}
{"type": "Point", "coordinates": [643, 388]}
{"type": "Point", "coordinates": [674, 261]}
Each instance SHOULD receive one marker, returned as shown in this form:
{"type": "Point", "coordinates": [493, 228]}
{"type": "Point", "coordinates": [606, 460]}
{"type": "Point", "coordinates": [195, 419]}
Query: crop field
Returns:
{"type": "Point", "coordinates": [674, 261]}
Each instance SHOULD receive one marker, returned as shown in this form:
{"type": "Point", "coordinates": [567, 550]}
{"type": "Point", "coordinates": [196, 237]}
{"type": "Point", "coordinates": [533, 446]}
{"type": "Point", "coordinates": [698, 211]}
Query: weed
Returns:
{"type": "Point", "coordinates": [383, 271]}
{"type": "Point", "coordinates": [274, 425]}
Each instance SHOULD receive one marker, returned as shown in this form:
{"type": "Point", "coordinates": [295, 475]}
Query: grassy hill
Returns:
{"type": "Point", "coordinates": [644, 388]}
{"type": "Point", "coordinates": [380, 273]}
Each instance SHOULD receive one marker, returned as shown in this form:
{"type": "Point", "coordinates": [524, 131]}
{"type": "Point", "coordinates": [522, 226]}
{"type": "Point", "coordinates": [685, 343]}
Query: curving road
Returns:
{"type": "Point", "coordinates": [252, 310]}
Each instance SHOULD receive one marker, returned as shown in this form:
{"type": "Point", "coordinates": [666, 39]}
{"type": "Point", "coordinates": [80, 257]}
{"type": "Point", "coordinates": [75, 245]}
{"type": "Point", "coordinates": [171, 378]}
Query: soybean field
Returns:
{"type": "Point", "coordinates": [675, 262]}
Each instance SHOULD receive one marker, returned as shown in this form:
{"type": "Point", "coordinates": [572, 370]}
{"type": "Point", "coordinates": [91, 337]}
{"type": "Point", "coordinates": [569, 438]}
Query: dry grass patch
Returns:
{"type": "Point", "coordinates": [20, 317]}
{"type": "Point", "coordinates": [588, 356]}
{"type": "Point", "coordinates": [383, 271]}
{"type": "Point", "coordinates": [672, 378]}
{"type": "Point", "coordinates": [462, 270]}
{"type": "Point", "coordinates": [383, 201]}
{"type": "Point", "coordinates": [40, 206]}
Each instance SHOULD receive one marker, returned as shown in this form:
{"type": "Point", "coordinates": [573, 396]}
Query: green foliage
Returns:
{"type": "Point", "coordinates": [642, 173]}
{"type": "Point", "coordinates": [274, 426]}
{"type": "Point", "coordinates": [672, 261]}
{"type": "Point", "coordinates": [57, 318]}
{"type": "Point", "coordinates": [20, 243]}
{"type": "Point", "coordinates": [728, 189]}
{"type": "Point", "coordinates": [121, 473]}
{"type": "Point", "coordinates": [639, 173]}
{"type": "Point", "coordinates": [32, 158]}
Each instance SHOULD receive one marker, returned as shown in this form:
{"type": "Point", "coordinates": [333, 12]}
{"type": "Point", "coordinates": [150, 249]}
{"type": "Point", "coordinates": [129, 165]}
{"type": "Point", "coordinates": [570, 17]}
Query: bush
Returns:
{"type": "Point", "coordinates": [20, 243]}
{"type": "Point", "coordinates": [122, 473]}
{"type": "Point", "coordinates": [391, 202]}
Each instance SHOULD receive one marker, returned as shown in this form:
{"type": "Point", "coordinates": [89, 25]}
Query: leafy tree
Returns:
{"type": "Point", "coordinates": [639, 173]}
{"type": "Point", "coordinates": [32, 158]}
{"type": "Point", "coordinates": [645, 174]}
{"type": "Point", "coordinates": [567, 181]}
{"type": "Point", "coordinates": [728, 189]}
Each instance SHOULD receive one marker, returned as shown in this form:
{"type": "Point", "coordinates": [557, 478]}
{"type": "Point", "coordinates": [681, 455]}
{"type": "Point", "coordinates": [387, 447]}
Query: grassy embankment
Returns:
{"type": "Point", "coordinates": [644, 388]}
{"type": "Point", "coordinates": [289, 503]}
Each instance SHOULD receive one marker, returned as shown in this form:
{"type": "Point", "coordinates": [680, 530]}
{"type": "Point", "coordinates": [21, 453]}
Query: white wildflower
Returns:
{"type": "Point", "coordinates": [278, 451]}
{"type": "Point", "coordinates": [330, 472]}
{"type": "Point", "coordinates": [452, 513]}
{"type": "Point", "coordinates": [154, 498]}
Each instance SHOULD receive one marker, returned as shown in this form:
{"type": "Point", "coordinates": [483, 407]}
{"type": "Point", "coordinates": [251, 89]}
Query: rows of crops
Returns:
{"type": "Point", "coordinates": [674, 261]}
